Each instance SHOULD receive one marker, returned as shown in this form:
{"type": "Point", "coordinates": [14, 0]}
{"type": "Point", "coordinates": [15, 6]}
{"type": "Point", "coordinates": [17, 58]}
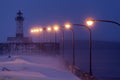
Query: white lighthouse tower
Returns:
{"type": "Point", "coordinates": [19, 21]}
{"type": "Point", "coordinates": [19, 38]}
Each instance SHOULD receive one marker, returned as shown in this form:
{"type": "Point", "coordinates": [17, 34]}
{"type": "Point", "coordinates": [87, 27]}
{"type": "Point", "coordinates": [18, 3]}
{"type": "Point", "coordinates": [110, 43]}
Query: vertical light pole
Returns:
{"type": "Point", "coordinates": [68, 26]}
{"type": "Point", "coordinates": [45, 34]}
{"type": "Point", "coordinates": [9, 56]}
{"type": "Point", "coordinates": [62, 42]}
{"type": "Point", "coordinates": [41, 30]}
{"type": "Point", "coordinates": [88, 25]}
{"type": "Point", "coordinates": [49, 29]}
{"type": "Point", "coordinates": [55, 37]}
{"type": "Point", "coordinates": [90, 46]}
{"type": "Point", "coordinates": [73, 46]}
{"type": "Point", "coordinates": [56, 28]}
{"type": "Point", "coordinates": [90, 22]}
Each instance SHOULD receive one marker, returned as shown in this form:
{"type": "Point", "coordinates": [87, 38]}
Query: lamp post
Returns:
{"type": "Point", "coordinates": [90, 22]}
{"type": "Point", "coordinates": [90, 47]}
{"type": "Point", "coordinates": [49, 29]}
{"type": "Point", "coordinates": [68, 26]}
{"type": "Point", "coordinates": [62, 42]}
{"type": "Point", "coordinates": [55, 38]}
{"type": "Point", "coordinates": [73, 51]}
{"type": "Point", "coordinates": [55, 28]}
{"type": "Point", "coordinates": [42, 37]}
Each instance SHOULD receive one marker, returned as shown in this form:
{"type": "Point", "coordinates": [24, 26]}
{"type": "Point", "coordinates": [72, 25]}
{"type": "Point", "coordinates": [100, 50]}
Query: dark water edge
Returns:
{"type": "Point", "coordinates": [105, 63]}
{"type": "Point", "coordinates": [105, 58]}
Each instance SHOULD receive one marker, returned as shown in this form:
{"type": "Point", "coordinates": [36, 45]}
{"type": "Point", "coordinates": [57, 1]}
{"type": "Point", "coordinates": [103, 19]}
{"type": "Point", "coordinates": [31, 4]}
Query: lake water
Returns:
{"type": "Point", "coordinates": [105, 62]}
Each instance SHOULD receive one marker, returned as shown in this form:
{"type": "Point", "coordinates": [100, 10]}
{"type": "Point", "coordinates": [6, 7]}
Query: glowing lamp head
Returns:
{"type": "Point", "coordinates": [49, 29]}
{"type": "Point", "coordinates": [56, 27]}
{"type": "Point", "coordinates": [89, 22]}
{"type": "Point", "coordinates": [36, 30]}
{"type": "Point", "coordinates": [31, 30]}
{"type": "Point", "coordinates": [67, 26]}
{"type": "Point", "coordinates": [41, 29]}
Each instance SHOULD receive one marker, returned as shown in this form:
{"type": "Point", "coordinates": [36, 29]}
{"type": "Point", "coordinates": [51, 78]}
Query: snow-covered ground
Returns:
{"type": "Point", "coordinates": [34, 68]}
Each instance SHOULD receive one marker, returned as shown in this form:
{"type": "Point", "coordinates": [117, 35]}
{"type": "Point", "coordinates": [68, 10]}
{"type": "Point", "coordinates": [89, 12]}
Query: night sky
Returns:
{"type": "Point", "coordinates": [48, 12]}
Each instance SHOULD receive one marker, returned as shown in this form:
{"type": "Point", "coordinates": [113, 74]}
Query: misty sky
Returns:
{"type": "Point", "coordinates": [48, 12]}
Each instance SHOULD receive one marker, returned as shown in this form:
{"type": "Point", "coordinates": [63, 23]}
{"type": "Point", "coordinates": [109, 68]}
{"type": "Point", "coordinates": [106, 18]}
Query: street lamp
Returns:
{"type": "Point", "coordinates": [49, 29]}
{"type": "Point", "coordinates": [62, 29]}
{"type": "Point", "coordinates": [90, 46]}
{"type": "Point", "coordinates": [55, 28]}
{"type": "Point", "coordinates": [68, 26]}
{"type": "Point", "coordinates": [90, 22]}
{"type": "Point", "coordinates": [40, 29]}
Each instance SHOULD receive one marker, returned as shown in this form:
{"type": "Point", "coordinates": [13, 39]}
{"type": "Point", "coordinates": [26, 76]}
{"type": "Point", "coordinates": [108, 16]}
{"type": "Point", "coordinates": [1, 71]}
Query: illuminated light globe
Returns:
{"type": "Point", "coordinates": [89, 22]}
{"type": "Point", "coordinates": [41, 29]}
{"type": "Point", "coordinates": [49, 29]}
{"type": "Point", "coordinates": [31, 30]}
{"type": "Point", "coordinates": [56, 27]}
{"type": "Point", "coordinates": [67, 26]}
{"type": "Point", "coordinates": [36, 30]}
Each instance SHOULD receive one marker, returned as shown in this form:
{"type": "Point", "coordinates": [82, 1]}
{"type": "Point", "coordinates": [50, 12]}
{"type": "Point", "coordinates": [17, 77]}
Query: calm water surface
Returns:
{"type": "Point", "coordinates": [105, 62]}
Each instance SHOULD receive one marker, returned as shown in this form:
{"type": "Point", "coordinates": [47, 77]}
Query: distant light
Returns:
{"type": "Point", "coordinates": [49, 28]}
{"type": "Point", "coordinates": [40, 29]}
{"type": "Point", "coordinates": [56, 27]}
{"type": "Point", "coordinates": [90, 23]}
{"type": "Point", "coordinates": [31, 31]}
{"type": "Point", "coordinates": [67, 25]}
{"type": "Point", "coordinates": [36, 30]}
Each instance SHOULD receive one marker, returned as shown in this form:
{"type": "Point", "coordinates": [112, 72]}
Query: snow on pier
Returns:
{"type": "Point", "coordinates": [34, 68]}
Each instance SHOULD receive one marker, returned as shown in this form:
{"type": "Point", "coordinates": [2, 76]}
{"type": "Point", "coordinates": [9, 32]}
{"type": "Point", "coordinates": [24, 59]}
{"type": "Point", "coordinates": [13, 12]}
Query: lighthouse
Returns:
{"type": "Point", "coordinates": [19, 24]}
{"type": "Point", "coordinates": [19, 38]}
{"type": "Point", "coordinates": [20, 44]}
